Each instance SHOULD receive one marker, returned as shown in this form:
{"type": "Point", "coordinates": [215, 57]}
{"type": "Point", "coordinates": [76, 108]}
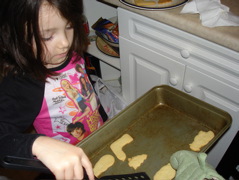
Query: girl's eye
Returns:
{"type": "Point", "coordinates": [47, 39]}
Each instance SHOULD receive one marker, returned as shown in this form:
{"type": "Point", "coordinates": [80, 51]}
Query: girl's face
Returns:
{"type": "Point", "coordinates": [57, 35]}
{"type": "Point", "coordinates": [77, 132]}
{"type": "Point", "coordinates": [65, 85]}
{"type": "Point", "coordinates": [83, 81]}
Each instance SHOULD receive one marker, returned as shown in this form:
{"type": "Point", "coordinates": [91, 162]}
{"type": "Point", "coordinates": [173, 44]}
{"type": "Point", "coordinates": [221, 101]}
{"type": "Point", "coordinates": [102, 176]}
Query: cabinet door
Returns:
{"type": "Point", "coordinates": [142, 69]}
{"type": "Point", "coordinates": [219, 94]}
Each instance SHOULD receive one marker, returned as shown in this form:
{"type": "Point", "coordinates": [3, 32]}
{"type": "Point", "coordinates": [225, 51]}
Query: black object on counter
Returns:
{"type": "Point", "coordinates": [229, 165]}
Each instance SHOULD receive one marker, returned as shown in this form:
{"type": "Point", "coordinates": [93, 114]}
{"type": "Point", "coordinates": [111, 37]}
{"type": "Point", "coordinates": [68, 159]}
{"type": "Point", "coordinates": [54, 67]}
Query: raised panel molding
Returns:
{"type": "Point", "coordinates": [148, 75]}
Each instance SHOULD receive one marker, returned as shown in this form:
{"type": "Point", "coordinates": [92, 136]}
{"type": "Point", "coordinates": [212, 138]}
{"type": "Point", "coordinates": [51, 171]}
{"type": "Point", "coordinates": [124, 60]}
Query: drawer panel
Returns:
{"type": "Point", "coordinates": [210, 58]}
{"type": "Point", "coordinates": [220, 95]}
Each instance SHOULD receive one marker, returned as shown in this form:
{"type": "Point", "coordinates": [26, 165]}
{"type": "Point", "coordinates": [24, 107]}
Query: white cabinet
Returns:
{"type": "Point", "coordinates": [219, 94]}
{"type": "Point", "coordinates": [142, 69]}
{"type": "Point", "coordinates": [153, 53]}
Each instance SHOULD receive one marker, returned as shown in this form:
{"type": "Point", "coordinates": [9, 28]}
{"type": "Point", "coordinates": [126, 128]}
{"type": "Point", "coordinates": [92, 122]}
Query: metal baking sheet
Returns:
{"type": "Point", "coordinates": [161, 122]}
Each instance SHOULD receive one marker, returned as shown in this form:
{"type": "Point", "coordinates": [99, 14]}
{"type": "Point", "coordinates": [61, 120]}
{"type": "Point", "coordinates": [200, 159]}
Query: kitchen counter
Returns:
{"type": "Point", "coordinates": [225, 36]}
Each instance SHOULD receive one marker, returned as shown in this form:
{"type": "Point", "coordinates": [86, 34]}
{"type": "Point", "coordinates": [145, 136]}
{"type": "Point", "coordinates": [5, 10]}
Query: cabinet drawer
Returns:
{"type": "Point", "coordinates": [220, 95]}
{"type": "Point", "coordinates": [210, 58]}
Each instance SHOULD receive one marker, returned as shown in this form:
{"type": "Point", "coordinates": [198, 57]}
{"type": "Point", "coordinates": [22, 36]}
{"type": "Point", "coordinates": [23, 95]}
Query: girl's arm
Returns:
{"type": "Point", "coordinates": [64, 160]}
{"type": "Point", "coordinates": [18, 110]}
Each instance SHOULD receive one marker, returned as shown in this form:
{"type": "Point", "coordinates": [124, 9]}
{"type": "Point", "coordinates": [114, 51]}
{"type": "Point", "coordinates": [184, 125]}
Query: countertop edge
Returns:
{"type": "Point", "coordinates": [227, 37]}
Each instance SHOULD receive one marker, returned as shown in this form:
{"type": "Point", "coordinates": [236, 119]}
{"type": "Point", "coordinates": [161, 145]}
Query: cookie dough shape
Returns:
{"type": "Point", "coordinates": [104, 163]}
{"type": "Point", "coordinates": [144, 3]}
{"type": "Point", "coordinates": [136, 161]}
{"type": "Point", "coordinates": [151, 3]}
{"type": "Point", "coordinates": [166, 172]}
{"type": "Point", "coordinates": [164, 1]}
{"type": "Point", "coordinates": [201, 139]}
{"type": "Point", "coordinates": [117, 146]}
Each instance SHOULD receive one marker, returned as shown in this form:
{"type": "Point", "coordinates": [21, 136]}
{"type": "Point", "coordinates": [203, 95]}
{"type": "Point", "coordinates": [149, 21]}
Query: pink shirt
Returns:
{"type": "Point", "coordinates": [67, 104]}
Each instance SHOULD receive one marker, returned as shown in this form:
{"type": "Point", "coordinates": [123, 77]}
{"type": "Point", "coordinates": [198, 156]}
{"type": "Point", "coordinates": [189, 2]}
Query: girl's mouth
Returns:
{"type": "Point", "coordinates": [58, 59]}
{"type": "Point", "coordinates": [61, 55]}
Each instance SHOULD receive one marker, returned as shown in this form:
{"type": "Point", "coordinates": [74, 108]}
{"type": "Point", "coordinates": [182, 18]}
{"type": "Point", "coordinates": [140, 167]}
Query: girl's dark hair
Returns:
{"type": "Point", "coordinates": [19, 25]}
{"type": "Point", "coordinates": [71, 127]}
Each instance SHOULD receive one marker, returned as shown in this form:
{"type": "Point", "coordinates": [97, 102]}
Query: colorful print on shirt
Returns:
{"type": "Point", "coordinates": [70, 109]}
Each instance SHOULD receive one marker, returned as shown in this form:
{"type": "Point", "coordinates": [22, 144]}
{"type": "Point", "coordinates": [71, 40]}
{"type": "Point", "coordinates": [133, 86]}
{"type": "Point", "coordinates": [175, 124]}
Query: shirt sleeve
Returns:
{"type": "Point", "coordinates": [20, 103]}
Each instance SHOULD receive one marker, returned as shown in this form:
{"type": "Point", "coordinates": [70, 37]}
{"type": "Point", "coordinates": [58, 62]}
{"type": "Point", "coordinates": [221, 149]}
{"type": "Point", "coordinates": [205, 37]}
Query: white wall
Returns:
{"type": "Point", "coordinates": [94, 10]}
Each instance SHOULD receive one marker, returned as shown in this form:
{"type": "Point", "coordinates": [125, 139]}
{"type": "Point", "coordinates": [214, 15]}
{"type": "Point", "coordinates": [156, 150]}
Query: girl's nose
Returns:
{"type": "Point", "coordinates": [64, 41]}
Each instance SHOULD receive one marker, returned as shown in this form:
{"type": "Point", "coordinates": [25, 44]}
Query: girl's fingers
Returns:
{"type": "Point", "coordinates": [88, 167]}
{"type": "Point", "coordinates": [59, 174]}
{"type": "Point", "coordinates": [69, 174]}
{"type": "Point", "coordinates": [78, 172]}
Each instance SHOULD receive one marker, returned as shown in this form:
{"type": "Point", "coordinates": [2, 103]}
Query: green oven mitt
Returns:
{"type": "Point", "coordinates": [192, 166]}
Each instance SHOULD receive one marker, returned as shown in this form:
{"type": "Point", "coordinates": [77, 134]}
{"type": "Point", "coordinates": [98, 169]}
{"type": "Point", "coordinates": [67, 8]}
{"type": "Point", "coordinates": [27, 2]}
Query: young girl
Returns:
{"type": "Point", "coordinates": [41, 43]}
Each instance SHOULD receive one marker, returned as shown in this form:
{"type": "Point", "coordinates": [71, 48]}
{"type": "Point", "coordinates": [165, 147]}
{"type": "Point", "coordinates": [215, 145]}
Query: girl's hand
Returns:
{"type": "Point", "coordinates": [64, 160]}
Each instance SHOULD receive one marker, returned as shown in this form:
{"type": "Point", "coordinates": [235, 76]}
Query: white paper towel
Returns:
{"type": "Point", "coordinates": [212, 13]}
